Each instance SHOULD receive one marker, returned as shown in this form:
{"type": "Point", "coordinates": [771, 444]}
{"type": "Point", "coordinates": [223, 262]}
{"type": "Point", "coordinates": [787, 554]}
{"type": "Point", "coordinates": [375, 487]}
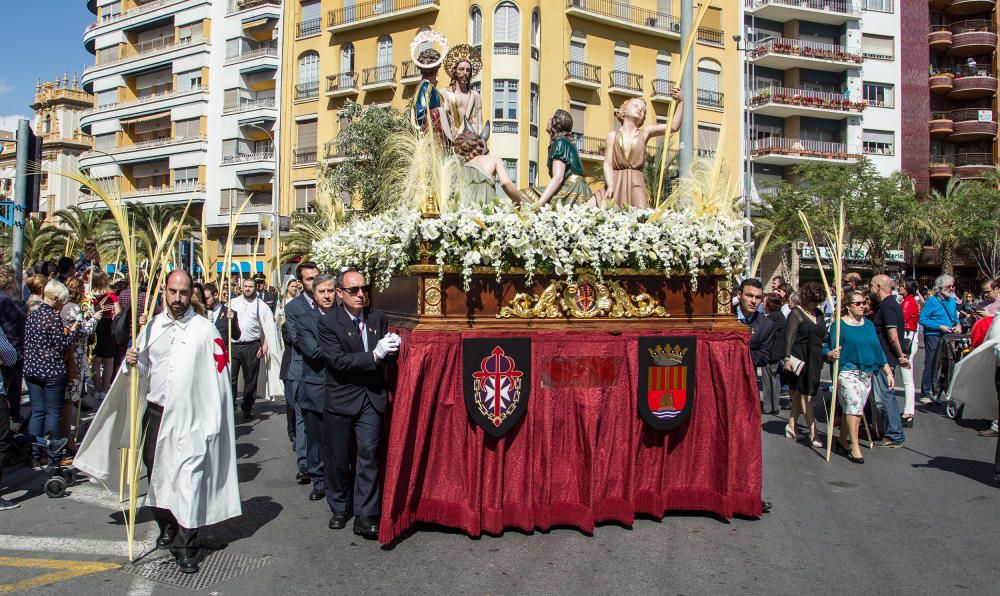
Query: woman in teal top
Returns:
{"type": "Point", "coordinates": [860, 355]}
{"type": "Point", "coordinates": [567, 184]}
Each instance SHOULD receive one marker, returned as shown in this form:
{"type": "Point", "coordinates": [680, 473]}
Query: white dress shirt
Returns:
{"type": "Point", "coordinates": [248, 315]}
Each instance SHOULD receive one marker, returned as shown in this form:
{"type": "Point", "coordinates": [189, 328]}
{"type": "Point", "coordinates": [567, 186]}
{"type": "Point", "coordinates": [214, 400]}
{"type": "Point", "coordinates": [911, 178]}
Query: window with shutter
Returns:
{"type": "Point", "coordinates": [347, 58]}
{"type": "Point", "coordinates": [311, 10]}
{"type": "Point", "coordinates": [577, 112]}
{"type": "Point", "coordinates": [663, 66]}
{"type": "Point", "coordinates": [475, 26]}
{"type": "Point", "coordinates": [880, 95]}
{"type": "Point", "coordinates": [506, 28]}
{"type": "Point", "coordinates": [309, 68]}
{"type": "Point", "coordinates": [877, 47]}
{"type": "Point", "coordinates": [107, 98]}
{"type": "Point", "coordinates": [185, 129]}
{"type": "Point", "coordinates": [577, 51]}
{"type": "Point", "coordinates": [878, 142]}
{"type": "Point", "coordinates": [306, 136]}
{"type": "Point", "coordinates": [304, 195]}
{"type": "Point", "coordinates": [385, 51]}
{"type": "Point", "coordinates": [708, 138]}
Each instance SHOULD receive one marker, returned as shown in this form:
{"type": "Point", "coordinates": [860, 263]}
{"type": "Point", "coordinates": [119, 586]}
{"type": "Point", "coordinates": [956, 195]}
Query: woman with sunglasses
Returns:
{"type": "Point", "coordinates": [860, 354]}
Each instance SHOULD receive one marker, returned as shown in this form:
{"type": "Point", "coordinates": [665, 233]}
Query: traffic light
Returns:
{"type": "Point", "coordinates": [29, 156]}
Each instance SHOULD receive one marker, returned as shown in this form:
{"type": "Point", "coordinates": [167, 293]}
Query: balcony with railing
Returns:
{"type": "Point", "coordinates": [710, 36]}
{"type": "Point", "coordinates": [410, 73]}
{"type": "Point", "coordinates": [710, 99]}
{"type": "Point", "coordinates": [185, 186]}
{"type": "Point", "coordinates": [306, 91]}
{"type": "Point", "coordinates": [941, 167]}
{"type": "Point", "coordinates": [341, 84]}
{"type": "Point", "coordinates": [238, 5]}
{"type": "Point", "coordinates": [377, 11]}
{"type": "Point", "coordinates": [661, 90]}
{"type": "Point", "coordinates": [146, 49]}
{"type": "Point", "coordinates": [830, 12]}
{"type": "Point", "coordinates": [505, 126]}
{"type": "Point", "coordinates": [149, 144]}
{"type": "Point", "coordinates": [973, 165]}
{"type": "Point", "coordinates": [784, 151]}
{"type": "Point", "coordinates": [132, 12]}
{"type": "Point", "coordinates": [784, 53]}
{"type": "Point", "coordinates": [582, 74]}
{"type": "Point", "coordinates": [379, 77]}
{"type": "Point", "coordinates": [966, 7]}
{"type": "Point", "coordinates": [625, 83]}
{"type": "Point", "coordinates": [783, 102]}
{"type": "Point", "coordinates": [972, 124]}
{"type": "Point", "coordinates": [333, 152]}
{"type": "Point", "coordinates": [245, 105]}
{"type": "Point", "coordinates": [973, 38]}
{"type": "Point", "coordinates": [266, 155]}
{"type": "Point", "coordinates": [940, 125]}
{"type": "Point", "coordinates": [590, 148]}
{"type": "Point", "coordinates": [233, 198]}
{"type": "Point", "coordinates": [939, 38]}
{"type": "Point", "coordinates": [263, 50]}
{"type": "Point", "coordinates": [144, 100]}
{"type": "Point", "coordinates": [304, 156]}
{"type": "Point", "coordinates": [308, 28]}
{"type": "Point", "coordinates": [623, 14]}
{"type": "Point", "coordinates": [973, 83]}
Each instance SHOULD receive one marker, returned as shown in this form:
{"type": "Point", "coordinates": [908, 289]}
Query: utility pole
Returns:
{"type": "Point", "coordinates": [687, 87]}
{"type": "Point", "coordinates": [26, 187]}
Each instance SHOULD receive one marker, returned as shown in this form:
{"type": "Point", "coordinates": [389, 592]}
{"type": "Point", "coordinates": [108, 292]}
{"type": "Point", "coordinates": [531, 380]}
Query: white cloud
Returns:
{"type": "Point", "coordinates": [5, 87]}
{"type": "Point", "coordinates": [9, 122]}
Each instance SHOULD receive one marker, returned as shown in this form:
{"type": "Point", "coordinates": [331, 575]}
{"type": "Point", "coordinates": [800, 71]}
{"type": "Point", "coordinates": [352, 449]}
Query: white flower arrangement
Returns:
{"type": "Point", "coordinates": [556, 239]}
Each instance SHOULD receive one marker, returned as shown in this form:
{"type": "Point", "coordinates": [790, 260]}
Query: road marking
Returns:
{"type": "Point", "coordinates": [64, 570]}
{"type": "Point", "coordinates": [86, 546]}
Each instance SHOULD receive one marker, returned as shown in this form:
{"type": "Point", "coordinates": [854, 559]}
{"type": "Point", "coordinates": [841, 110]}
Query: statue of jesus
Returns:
{"type": "Point", "coordinates": [463, 63]}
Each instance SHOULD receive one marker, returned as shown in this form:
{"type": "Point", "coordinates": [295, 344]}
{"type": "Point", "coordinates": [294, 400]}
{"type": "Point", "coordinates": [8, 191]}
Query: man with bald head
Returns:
{"type": "Point", "coordinates": [888, 326]}
{"type": "Point", "coordinates": [187, 421]}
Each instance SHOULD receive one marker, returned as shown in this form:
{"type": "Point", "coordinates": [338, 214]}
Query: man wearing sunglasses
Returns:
{"type": "Point", "coordinates": [356, 345]}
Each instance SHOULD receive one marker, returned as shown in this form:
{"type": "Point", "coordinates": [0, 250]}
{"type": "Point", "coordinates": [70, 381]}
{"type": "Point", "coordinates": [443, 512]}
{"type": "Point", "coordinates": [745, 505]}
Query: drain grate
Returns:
{"type": "Point", "coordinates": [216, 566]}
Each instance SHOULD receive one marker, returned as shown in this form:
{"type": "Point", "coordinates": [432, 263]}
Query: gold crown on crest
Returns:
{"type": "Point", "coordinates": [668, 355]}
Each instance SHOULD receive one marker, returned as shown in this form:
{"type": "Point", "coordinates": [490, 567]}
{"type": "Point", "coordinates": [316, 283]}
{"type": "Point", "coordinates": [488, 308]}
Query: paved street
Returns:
{"type": "Point", "coordinates": [913, 520]}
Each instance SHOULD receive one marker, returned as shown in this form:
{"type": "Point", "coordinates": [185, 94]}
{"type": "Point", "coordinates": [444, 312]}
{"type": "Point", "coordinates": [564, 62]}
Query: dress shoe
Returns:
{"type": "Point", "coordinates": [317, 494]}
{"type": "Point", "coordinates": [887, 444]}
{"type": "Point", "coordinates": [366, 526]}
{"type": "Point", "coordinates": [187, 563]}
{"type": "Point", "coordinates": [302, 477]}
{"type": "Point", "coordinates": [338, 521]}
{"type": "Point", "coordinates": [248, 414]}
{"type": "Point", "coordinates": [166, 537]}
{"type": "Point", "coordinates": [989, 432]}
{"type": "Point", "coordinates": [765, 507]}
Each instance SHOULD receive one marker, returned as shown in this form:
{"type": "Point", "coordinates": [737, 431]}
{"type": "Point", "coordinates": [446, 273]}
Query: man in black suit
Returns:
{"type": "Point", "coordinates": [217, 312]}
{"type": "Point", "coordinates": [751, 294]}
{"type": "Point", "coordinates": [355, 345]}
{"type": "Point", "coordinates": [268, 297]}
{"type": "Point", "coordinates": [295, 311]}
{"type": "Point", "coordinates": [310, 393]}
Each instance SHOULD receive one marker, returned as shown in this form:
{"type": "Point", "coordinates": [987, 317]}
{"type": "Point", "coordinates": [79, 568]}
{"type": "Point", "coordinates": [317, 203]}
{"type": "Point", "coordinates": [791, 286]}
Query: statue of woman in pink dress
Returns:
{"type": "Point", "coordinates": [625, 154]}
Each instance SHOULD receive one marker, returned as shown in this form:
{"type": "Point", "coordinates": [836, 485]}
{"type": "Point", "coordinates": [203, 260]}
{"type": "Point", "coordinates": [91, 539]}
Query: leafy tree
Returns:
{"type": "Point", "coordinates": [979, 214]}
{"type": "Point", "coordinates": [73, 225]}
{"type": "Point", "coordinates": [362, 136]}
{"type": "Point", "coordinates": [941, 219]}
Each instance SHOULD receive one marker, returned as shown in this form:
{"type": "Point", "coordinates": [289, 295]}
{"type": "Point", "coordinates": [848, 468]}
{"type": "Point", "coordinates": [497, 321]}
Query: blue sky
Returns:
{"type": "Point", "coordinates": [34, 52]}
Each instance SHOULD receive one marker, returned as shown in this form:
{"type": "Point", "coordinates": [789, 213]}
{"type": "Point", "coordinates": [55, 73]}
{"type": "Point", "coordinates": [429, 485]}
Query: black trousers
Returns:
{"type": "Point", "coordinates": [367, 493]}
{"type": "Point", "coordinates": [313, 422]}
{"type": "Point", "coordinates": [13, 376]}
{"type": "Point", "coordinates": [5, 434]}
{"type": "Point", "coordinates": [245, 358]}
{"type": "Point", "coordinates": [184, 537]}
{"type": "Point", "coordinates": [996, 458]}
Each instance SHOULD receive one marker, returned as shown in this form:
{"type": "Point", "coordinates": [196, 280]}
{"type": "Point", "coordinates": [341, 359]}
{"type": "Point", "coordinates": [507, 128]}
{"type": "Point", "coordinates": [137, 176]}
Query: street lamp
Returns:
{"type": "Point", "coordinates": [745, 88]}
{"type": "Point", "coordinates": [275, 222]}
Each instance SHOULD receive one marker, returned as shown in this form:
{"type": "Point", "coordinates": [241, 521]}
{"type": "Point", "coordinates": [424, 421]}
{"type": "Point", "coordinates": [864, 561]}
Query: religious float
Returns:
{"type": "Point", "coordinates": [569, 356]}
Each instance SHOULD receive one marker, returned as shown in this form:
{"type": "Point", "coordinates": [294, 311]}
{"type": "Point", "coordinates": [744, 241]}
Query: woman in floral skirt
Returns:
{"type": "Point", "coordinates": [860, 355]}
{"type": "Point", "coordinates": [76, 310]}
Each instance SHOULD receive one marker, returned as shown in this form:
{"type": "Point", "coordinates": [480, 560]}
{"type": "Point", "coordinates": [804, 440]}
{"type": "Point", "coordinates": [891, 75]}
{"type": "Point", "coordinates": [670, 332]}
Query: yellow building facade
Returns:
{"type": "Point", "coordinates": [583, 56]}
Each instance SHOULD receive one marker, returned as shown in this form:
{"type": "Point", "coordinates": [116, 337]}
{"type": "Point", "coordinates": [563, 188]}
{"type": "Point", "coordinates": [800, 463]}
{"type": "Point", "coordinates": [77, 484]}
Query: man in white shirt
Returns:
{"type": "Point", "coordinates": [252, 345]}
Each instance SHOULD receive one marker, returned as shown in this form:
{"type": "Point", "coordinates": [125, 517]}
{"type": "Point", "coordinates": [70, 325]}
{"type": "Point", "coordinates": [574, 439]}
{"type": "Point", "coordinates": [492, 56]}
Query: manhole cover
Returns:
{"type": "Point", "coordinates": [216, 566]}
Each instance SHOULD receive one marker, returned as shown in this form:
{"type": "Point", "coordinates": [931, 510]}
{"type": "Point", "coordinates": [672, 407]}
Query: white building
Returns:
{"type": "Point", "coordinates": [822, 79]}
{"type": "Point", "coordinates": [186, 104]}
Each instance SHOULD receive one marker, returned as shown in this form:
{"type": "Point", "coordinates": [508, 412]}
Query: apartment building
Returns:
{"type": "Point", "coordinates": [186, 107]}
{"type": "Point", "coordinates": [608, 51]}
{"type": "Point", "coordinates": [822, 76]}
{"type": "Point", "coordinates": [960, 101]}
{"type": "Point", "coordinates": [57, 106]}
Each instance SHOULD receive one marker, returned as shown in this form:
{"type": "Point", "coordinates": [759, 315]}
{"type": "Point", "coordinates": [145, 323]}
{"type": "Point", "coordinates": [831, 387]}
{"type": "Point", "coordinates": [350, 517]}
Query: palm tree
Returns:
{"type": "Point", "coordinates": [73, 225]}
{"type": "Point", "coordinates": [149, 223]}
{"type": "Point", "coordinates": [941, 219]}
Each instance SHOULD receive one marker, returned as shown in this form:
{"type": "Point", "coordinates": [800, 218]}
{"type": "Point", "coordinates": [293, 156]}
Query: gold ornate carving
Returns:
{"type": "Point", "coordinates": [724, 296]}
{"type": "Point", "coordinates": [432, 296]}
{"type": "Point", "coordinates": [585, 298]}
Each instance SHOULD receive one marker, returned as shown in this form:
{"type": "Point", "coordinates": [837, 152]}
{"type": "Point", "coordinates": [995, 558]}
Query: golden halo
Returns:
{"type": "Point", "coordinates": [463, 52]}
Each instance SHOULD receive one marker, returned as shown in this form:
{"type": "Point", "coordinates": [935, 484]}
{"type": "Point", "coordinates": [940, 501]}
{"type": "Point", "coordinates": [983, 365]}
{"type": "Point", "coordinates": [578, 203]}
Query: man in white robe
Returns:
{"type": "Point", "coordinates": [185, 404]}
{"type": "Point", "coordinates": [258, 344]}
{"type": "Point", "coordinates": [976, 383]}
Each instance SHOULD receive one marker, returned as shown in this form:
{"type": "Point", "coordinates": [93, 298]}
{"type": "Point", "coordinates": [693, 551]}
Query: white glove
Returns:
{"type": "Point", "coordinates": [387, 345]}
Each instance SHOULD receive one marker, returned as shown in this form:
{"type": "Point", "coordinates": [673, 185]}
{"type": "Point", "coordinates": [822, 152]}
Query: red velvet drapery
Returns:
{"type": "Point", "coordinates": [581, 455]}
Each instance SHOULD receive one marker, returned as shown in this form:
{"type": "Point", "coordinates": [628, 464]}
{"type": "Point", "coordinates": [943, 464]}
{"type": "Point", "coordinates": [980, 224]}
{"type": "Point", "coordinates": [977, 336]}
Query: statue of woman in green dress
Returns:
{"type": "Point", "coordinates": [567, 185]}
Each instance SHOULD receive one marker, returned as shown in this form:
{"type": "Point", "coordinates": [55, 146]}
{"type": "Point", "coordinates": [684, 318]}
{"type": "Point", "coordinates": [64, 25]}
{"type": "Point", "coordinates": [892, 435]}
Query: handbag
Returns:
{"type": "Point", "coordinates": [794, 365]}
{"type": "Point", "coordinates": [121, 328]}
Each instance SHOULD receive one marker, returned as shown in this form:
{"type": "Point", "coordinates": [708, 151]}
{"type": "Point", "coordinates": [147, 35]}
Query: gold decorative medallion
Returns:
{"type": "Point", "coordinates": [586, 298]}
{"type": "Point", "coordinates": [724, 296]}
{"type": "Point", "coordinates": [432, 296]}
